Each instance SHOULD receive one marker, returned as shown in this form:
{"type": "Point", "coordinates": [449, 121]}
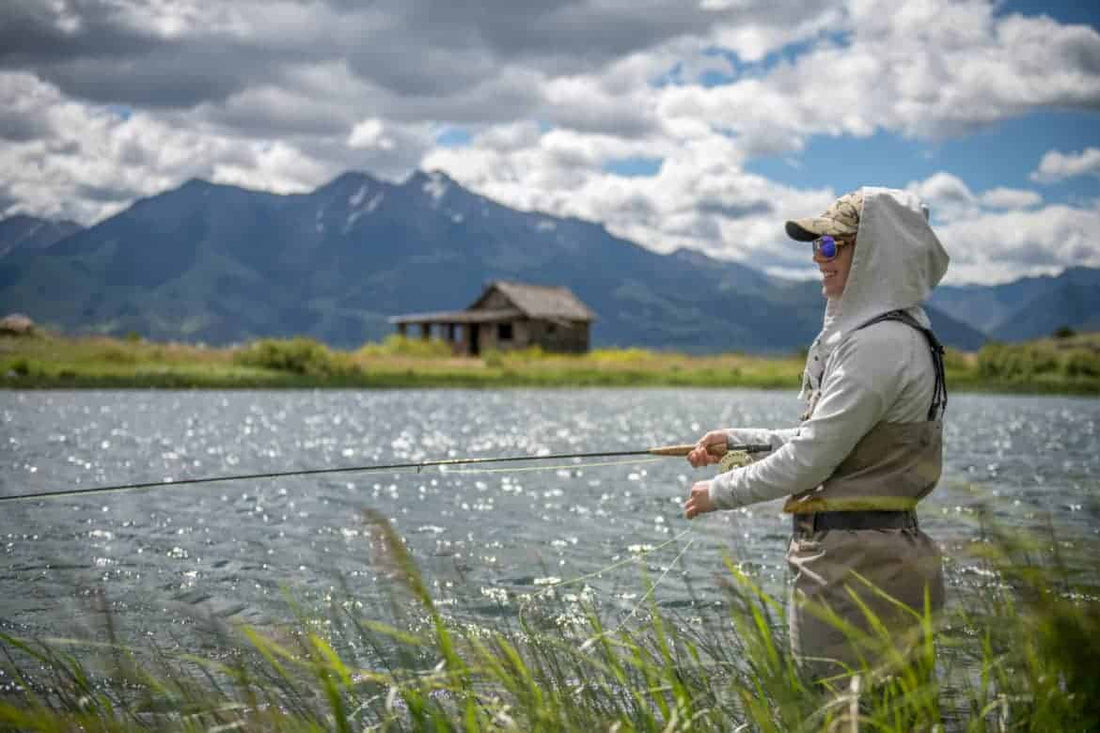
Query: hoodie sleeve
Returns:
{"type": "Point", "coordinates": [861, 382]}
{"type": "Point", "coordinates": [737, 437]}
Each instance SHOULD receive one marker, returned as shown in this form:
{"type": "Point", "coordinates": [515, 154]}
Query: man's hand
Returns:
{"type": "Point", "coordinates": [709, 449]}
{"type": "Point", "coordinates": [699, 501]}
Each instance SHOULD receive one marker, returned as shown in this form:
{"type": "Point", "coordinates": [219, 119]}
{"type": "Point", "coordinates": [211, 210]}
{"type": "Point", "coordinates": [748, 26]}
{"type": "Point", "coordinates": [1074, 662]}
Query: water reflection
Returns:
{"type": "Point", "coordinates": [484, 536]}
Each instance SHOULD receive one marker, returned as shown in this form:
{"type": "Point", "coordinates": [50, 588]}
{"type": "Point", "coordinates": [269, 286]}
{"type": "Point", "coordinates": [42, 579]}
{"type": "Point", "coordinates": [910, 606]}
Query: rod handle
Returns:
{"type": "Point", "coordinates": [682, 450]}
{"type": "Point", "coordinates": [713, 449]}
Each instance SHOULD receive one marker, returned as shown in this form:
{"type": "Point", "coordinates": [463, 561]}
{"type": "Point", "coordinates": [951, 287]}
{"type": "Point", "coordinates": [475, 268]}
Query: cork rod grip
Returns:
{"type": "Point", "coordinates": [716, 450]}
{"type": "Point", "coordinates": [683, 450]}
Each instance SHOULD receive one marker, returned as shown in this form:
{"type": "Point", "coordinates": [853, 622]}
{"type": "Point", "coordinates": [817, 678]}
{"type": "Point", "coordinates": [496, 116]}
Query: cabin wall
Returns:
{"type": "Point", "coordinates": [521, 334]}
{"type": "Point", "coordinates": [569, 338]}
{"type": "Point", "coordinates": [553, 336]}
{"type": "Point", "coordinates": [563, 337]}
{"type": "Point", "coordinates": [489, 340]}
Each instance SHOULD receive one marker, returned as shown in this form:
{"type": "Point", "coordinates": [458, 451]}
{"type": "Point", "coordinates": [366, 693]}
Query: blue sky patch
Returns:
{"type": "Point", "coordinates": [634, 166]}
{"type": "Point", "coordinates": [1002, 155]}
{"type": "Point", "coordinates": [453, 137]}
{"type": "Point", "coordinates": [121, 111]}
{"type": "Point", "coordinates": [741, 69]}
{"type": "Point", "coordinates": [1064, 11]}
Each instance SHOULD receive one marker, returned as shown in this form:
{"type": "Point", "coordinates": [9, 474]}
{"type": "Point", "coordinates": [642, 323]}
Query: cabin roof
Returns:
{"type": "Point", "coordinates": [544, 302]}
{"type": "Point", "coordinates": [539, 301]}
{"type": "Point", "coordinates": [468, 316]}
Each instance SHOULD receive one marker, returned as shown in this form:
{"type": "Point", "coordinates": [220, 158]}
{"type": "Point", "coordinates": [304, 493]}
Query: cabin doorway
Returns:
{"type": "Point", "coordinates": [475, 345]}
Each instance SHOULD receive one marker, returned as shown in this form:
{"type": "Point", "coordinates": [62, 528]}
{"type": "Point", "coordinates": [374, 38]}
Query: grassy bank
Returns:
{"type": "Point", "coordinates": [1069, 365]}
{"type": "Point", "coordinates": [1016, 653]}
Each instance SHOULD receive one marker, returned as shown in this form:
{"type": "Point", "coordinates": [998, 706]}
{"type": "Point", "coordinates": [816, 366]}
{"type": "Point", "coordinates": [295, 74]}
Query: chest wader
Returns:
{"type": "Point", "coordinates": [858, 556]}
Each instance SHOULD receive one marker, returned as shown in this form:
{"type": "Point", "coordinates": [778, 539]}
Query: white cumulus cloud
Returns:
{"type": "Point", "coordinates": [1010, 198]}
{"type": "Point", "coordinates": [1058, 166]}
{"type": "Point", "coordinates": [999, 247]}
{"type": "Point", "coordinates": [105, 101]}
{"type": "Point", "coordinates": [1003, 234]}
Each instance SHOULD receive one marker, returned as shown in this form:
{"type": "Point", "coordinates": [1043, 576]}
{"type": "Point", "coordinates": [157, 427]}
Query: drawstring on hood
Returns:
{"type": "Point", "coordinates": [897, 261]}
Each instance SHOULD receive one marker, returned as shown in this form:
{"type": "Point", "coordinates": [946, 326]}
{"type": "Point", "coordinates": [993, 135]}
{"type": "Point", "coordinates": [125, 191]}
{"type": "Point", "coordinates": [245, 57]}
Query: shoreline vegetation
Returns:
{"type": "Point", "coordinates": [1017, 652]}
{"type": "Point", "coordinates": [1067, 363]}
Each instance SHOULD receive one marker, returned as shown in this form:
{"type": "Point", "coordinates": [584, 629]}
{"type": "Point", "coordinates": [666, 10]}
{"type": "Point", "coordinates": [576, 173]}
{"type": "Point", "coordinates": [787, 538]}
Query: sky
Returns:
{"type": "Point", "coordinates": [675, 123]}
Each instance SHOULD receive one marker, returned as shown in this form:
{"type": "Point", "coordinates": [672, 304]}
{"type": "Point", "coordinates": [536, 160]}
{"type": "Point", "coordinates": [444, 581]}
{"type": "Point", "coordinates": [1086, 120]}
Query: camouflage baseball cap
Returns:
{"type": "Point", "coordinates": [840, 219]}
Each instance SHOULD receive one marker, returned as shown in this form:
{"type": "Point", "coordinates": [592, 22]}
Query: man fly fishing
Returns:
{"type": "Point", "coordinates": [869, 445]}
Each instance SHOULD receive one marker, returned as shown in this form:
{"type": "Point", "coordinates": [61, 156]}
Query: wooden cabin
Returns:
{"type": "Point", "coordinates": [506, 316]}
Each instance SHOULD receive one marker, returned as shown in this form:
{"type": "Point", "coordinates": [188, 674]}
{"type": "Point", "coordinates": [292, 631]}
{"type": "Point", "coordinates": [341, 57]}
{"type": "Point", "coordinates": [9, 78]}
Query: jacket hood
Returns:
{"type": "Point", "coordinates": [897, 261]}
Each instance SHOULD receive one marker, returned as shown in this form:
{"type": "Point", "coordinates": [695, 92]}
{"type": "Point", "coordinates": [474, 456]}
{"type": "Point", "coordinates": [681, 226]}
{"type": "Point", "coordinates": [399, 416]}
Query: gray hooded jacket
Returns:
{"type": "Point", "coordinates": [855, 378]}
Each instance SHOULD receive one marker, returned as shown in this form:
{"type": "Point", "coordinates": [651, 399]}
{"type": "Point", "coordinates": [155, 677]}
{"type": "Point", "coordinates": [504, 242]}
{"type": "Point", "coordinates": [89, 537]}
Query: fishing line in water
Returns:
{"type": "Point", "coordinates": [653, 587]}
{"type": "Point", "coordinates": [634, 558]}
{"type": "Point", "coordinates": [730, 460]}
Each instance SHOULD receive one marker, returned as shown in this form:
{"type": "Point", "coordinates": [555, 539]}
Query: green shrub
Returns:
{"type": "Point", "coordinates": [1005, 361]}
{"type": "Point", "coordinates": [21, 367]}
{"type": "Point", "coordinates": [954, 360]}
{"type": "Point", "coordinates": [1081, 363]}
{"type": "Point", "coordinates": [296, 355]}
{"type": "Point", "coordinates": [1064, 332]}
{"type": "Point", "coordinates": [398, 345]}
{"type": "Point", "coordinates": [492, 358]}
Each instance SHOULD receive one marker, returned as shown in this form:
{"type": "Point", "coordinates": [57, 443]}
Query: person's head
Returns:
{"type": "Point", "coordinates": [833, 236]}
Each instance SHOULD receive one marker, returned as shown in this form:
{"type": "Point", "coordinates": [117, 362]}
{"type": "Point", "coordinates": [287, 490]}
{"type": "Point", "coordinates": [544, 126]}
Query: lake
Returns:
{"type": "Point", "coordinates": [485, 536]}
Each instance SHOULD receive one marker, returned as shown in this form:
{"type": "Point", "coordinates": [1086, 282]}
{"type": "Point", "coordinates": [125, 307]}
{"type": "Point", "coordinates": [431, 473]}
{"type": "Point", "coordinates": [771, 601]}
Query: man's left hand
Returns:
{"type": "Point", "coordinates": [699, 501]}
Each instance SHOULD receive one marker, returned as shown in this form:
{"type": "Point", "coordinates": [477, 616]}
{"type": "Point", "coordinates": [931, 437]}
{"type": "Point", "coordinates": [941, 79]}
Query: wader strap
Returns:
{"type": "Point", "coordinates": [821, 521]}
{"type": "Point", "coordinates": [939, 393]}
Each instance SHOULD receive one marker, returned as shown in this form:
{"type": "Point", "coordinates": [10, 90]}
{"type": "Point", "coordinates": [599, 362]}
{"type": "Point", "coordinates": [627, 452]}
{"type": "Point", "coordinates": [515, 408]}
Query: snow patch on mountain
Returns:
{"type": "Point", "coordinates": [357, 198]}
{"type": "Point", "coordinates": [435, 186]}
{"type": "Point", "coordinates": [369, 208]}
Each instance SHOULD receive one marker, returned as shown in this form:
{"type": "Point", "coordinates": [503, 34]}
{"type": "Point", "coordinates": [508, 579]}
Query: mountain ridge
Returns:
{"type": "Point", "coordinates": [221, 264]}
{"type": "Point", "coordinates": [21, 232]}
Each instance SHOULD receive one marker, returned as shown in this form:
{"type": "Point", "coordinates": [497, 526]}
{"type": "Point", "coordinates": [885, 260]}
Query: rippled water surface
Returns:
{"type": "Point", "coordinates": [485, 537]}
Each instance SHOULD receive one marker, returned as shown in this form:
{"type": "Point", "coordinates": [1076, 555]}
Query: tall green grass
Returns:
{"type": "Point", "coordinates": [1017, 653]}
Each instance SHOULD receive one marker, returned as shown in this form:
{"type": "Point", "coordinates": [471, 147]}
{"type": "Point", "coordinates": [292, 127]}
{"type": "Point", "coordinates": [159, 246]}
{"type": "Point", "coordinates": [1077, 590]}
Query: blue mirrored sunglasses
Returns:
{"type": "Point", "coordinates": [827, 246]}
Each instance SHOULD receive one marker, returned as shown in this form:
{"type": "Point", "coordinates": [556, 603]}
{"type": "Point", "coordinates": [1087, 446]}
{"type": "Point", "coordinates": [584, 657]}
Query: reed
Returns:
{"type": "Point", "coordinates": [1017, 653]}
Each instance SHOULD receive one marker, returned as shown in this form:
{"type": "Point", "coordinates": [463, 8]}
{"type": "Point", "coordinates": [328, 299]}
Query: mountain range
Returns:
{"type": "Point", "coordinates": [1029, 308]}
{"type": "Point", "coordinates": [223, 264]}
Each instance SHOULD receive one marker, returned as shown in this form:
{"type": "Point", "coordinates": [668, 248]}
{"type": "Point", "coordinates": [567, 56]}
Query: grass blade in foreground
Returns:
{"type": "Point", "coordinates": [1016, 654]}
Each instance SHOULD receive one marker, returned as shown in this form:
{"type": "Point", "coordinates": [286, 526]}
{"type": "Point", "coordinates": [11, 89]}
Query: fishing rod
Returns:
{"type": "Point", "coordinates": [667, 450]}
